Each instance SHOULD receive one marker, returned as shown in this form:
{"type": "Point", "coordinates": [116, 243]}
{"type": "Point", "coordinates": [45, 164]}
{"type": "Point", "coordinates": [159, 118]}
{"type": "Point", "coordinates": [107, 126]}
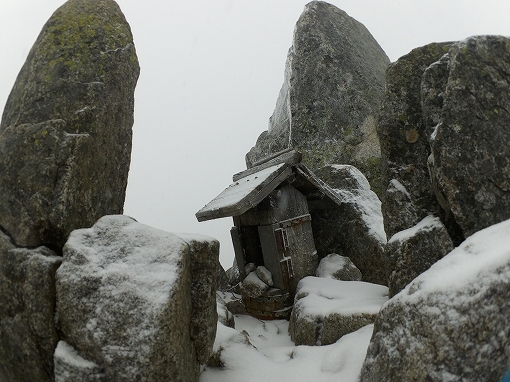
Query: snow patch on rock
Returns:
{"type": "Point", "coordinates": [366, 201]}
{"type": "Point", "coordinates": [320, 296]}
{"type": "Point", "coordinates": [427, 224]}
{"type": "Point", "coordinates": [484, 252]}
{"type": "Point", "coordinates": [338, 267]}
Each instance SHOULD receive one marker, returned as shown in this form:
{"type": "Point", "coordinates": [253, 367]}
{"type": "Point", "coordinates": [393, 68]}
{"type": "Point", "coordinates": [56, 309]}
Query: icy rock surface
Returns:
{"type": "Point", "coordinates": [451, 322]}
{"type": "Point", "coordinates": [334, 82]}
{"type": "Point", "coordinates": [338, 267]}
{"type": "Point", "coordinates": [125, 299]}
{"type": "Point", "coordinates": [65, 135]}
{"type": "Point", "coordinates": [27, 306]}
{"type": "Point", "coordinates": [354, 229]}
{"type": "Point", "coordinates": [412, 251]}
{"type": "Point", "coordinates": [326, 309]}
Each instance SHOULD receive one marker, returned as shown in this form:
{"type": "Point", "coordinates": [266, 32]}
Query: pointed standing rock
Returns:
{"type": "Point", "coordinates": [65, 145]}
{"type": "Point", "coordinates": [65, 135]}
{"type": "Point", "coordinates": [334, 82]}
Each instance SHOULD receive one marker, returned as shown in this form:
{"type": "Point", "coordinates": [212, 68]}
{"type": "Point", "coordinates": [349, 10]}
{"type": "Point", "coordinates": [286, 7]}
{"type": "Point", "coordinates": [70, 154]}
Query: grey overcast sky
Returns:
{"type": "Point", "coordinates": [211, 71]}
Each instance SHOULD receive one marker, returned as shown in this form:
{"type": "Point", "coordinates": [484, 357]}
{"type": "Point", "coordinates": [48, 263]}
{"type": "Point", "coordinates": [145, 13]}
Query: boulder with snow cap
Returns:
{"type": "Point", "coordinates": [222, 280]}
{"type": "Point", "coordinates": [338, 267]}
{"type": "Point", "coordinates": [203, 253]}
{"type": "Point", "coordinates": [399, 210]}
{"type": "Point", "coordinates": [412, 251]}
{"type": "Point", "coordinates": [451, 322]}
{"type": "Point", "coordinates": [327, 309]}
{"type": "Point", "coordinates": [354, 229]}
{"type": "Point", "coordinates": [236, 305]}
{"type": "Point", "coordinates": [125, 300]}
{"type": "Point", "coordinates": [253, 286]}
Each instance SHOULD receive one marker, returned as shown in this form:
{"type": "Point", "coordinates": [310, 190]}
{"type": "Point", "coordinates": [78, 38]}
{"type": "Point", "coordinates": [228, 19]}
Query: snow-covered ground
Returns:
{"type": "Point", "coordinates": [263, 351]}
{"type": "Point", "coordinates": [274, 357]}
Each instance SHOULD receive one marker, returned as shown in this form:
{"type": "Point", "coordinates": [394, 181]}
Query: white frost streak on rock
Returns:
{"type": "Point", "coordinates": [400, 187]}
{"type": "Point", "coordinates": [321, 297]}
{"type": "Point", "coordinates": [427, 224]}
{"type": "Point", "coordinates": [367, 202]}
{"type": "Point", "coordinates": [71, 357]}
{"type": "Point", "coordinates": [480, 254]}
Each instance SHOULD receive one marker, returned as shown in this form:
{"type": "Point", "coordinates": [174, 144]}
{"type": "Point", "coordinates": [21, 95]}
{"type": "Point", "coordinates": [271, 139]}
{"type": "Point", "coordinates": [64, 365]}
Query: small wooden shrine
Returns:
{"type": "Point", "coordinates": [272, 225]}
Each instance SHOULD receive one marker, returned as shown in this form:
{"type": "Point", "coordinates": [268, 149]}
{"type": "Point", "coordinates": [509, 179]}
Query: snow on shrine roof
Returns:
{"type": "Point", "coordinates": [246, 193]}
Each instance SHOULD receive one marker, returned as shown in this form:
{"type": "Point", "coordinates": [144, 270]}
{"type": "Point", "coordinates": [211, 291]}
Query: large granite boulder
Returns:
{"type": "Point", "coordinates": [65, 135]}
{"type": "Point", "coordinates": [470, 160]}
{"type": "Point", "coordinates": [354, 229]}
{"type": "Point", "coordinates": [128, 301]}
{"type": "Point", "coordinates": [404, 141]}
{"type": "Point", "coordinates": [327, 309]}
{"type": "Point", "coordinates": [412, 251]}
{"type": "Point", "coordinates": [451, 322]}
{"type": "Point", "coordinates": [27, 330]}
{"type": "Point", "coordinates": [334, 82]}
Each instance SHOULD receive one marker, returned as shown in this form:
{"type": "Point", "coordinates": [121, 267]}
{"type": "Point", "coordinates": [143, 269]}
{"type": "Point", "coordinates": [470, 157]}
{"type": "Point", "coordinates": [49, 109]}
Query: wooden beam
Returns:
{"type": "Point", "coordinates": [288, 156]}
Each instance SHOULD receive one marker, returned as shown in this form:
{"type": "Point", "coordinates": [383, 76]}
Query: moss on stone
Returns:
{"type": "Point", "coordinates": [81, 36]}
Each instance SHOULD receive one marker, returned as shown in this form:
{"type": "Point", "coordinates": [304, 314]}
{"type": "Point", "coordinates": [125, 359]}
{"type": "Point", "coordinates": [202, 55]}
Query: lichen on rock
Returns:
{"type": "Point", "coordinates": [68, 120]}
{"type": "Point", "coordinates": [470, 152]}
{"type": "Point", "coordinates": [404, 139]}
